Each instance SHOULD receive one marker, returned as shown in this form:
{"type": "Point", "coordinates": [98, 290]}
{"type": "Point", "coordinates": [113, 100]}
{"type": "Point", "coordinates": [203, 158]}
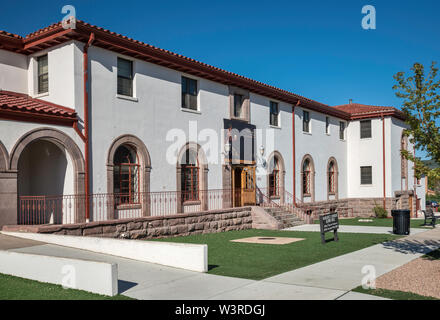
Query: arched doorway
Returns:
{"type": "Point", "coordinates": [50, 178]}
{"type": "Point", "coordinates": [276, 176]}
{"type": "Point", "coordinates": [192, 178]}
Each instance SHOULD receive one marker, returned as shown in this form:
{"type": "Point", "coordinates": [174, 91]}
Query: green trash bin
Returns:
{"type": "Point", "coordinates": [401, 221]}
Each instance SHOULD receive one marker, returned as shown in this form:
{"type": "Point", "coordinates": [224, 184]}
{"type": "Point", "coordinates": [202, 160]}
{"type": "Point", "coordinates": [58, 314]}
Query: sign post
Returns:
{"type": "Point", "coordinates": [329, 222]}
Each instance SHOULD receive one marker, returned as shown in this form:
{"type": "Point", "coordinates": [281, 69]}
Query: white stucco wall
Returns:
{"type": "Point", "coordinates": [61, 66]}
{"type": "Point", "coordinates": [156, 113]}
{"type": "Point", "coordinates": [365, 152]}
{"type": "Point", "coordinates": [321, 147]}
{"type": "Point", "coordinates": [13, 71]}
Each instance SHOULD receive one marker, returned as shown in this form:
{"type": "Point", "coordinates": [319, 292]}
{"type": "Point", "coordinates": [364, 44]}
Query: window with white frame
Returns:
{"type": "Point", "coordinates": [327, 125]}
{"type": "Point", "coordinates": [274, 114]}
{"type": "Point", "coordinates": [43, 74]}
{"type": "Point", "coordinates": [189, 93]}
{"type": "Point", "coordinates": [367, 175]}
{"type": "Point", "coordinates": [365, 129]}
{"type": "Point", "coordinates": [125, 77]}
{"type": "Point", "coordinates": [306, 121]}
{"type": "Point", "coordinates": [342, 130]}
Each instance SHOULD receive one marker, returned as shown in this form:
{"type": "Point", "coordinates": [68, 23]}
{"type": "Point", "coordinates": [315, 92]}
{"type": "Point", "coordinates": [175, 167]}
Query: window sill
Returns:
{"type": "Point", "coordinates": [328, 134]}
{"type": "Point", "coordinates": [275, 127]}
{"type": "Point", "coordinates": [120, 96]}
{"type": "Point", "coordinates": [190, 110]}
{"type": "Point", "coordinates": [129, 206]}
{"type": "Point", "coordinates": [240, 119]}
{"type": "Point", "coordinates": [307, 133]}
{"type": "Point", "coordinates": [274, 197]}
{"type": "Point", "coordinates": [366, 185]}
{"type": "Point", "coordinates": [41, 95]}
{"type": "Point", "coordinates": [192, 202]}
{"type": "Point", "coordinates": [370, 138]}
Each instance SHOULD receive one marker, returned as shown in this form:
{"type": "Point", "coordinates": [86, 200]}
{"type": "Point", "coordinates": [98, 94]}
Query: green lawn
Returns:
{"type": "Point", "coordinates": [14, 288]}
{"type": "Point", "coordinates": [415, 223]}
{"type": "Point", "coordinates": [391, 294]}
{"type": "Point", "coordinates": [259, 261]}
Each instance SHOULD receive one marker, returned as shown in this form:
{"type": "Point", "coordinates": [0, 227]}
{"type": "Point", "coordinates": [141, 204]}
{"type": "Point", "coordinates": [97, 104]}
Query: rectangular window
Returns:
{"type": "Point", "coordinates": [125, 77]}
{"type": "Point", "coordinates": [342, 130]}
{"type": "Point", "coordinates": [365, 129]}
{"type": "Point", "coordinates": [327, 125]}
{"type": "Point", "coordinates": [238, 105]}
{"type": "Point", "coordinates": [366, 175]}
{"type": "Point", "coordinates": [274, 114]}
{"type": "Point", "coordinates": [43, 74]}
{"type": "Point", "coordinates": [306, 121]}
{"type": "Point", "coordinates": [189, 93]}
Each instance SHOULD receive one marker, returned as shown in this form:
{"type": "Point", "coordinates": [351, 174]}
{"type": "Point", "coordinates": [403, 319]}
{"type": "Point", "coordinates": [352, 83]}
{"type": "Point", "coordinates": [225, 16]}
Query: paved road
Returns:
{"type": "Point", "coordinates": [330, 279]}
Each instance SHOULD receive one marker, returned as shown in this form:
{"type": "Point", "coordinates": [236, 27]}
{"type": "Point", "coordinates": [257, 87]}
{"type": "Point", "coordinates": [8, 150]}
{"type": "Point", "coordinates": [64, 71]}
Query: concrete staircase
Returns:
{"type": "Point", "coordinates": [286, 218]}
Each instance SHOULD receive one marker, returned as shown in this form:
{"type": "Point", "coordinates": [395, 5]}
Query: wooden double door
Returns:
{"type": "Point", "coordinates": [243, 185]}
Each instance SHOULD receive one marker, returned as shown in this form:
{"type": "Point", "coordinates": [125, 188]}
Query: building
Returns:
{"type": "Point", "coordinates": [95, 126]}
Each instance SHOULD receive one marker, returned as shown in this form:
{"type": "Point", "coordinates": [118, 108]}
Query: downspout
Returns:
{"type": "Point", "coordinates": [86, 122]}
{"type": "Point", "coordinates": [415, 182]}
{"type": "Point", "coordinates": [293, 152]}
{"type": "Point", "coordinates": [383, 153]}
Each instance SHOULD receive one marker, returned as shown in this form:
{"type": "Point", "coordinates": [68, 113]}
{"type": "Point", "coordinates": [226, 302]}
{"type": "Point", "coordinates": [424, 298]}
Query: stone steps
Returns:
{"type": "Point", "coordinates": [287, 218]}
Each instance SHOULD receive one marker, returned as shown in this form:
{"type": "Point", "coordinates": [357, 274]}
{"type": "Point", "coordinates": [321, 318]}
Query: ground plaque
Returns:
{"type": "Point", "coordinates": [329, 222]}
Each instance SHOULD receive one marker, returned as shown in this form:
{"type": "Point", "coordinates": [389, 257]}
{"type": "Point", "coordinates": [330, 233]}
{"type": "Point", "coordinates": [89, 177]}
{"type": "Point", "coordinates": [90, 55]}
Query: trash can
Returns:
{"type": "Point", "coordinates": [401, 221]}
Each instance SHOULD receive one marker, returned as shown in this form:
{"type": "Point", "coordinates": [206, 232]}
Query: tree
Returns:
{"type": "Point", "coordinates": [421, 104]}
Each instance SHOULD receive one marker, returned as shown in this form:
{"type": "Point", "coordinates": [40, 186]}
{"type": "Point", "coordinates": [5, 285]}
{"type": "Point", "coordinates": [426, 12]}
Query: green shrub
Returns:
{"type": "Point", "coordinates": [380, 212]}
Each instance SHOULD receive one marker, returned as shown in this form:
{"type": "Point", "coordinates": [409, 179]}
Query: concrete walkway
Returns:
{"type": "Point", "coordinates": [330, 279]}
{"type": "Point", "coordinates": [354, 229]}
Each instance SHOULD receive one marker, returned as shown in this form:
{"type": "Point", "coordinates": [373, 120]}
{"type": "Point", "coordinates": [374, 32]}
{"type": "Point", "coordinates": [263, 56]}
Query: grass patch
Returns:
{"type": "Point", "coordinates": [259, 261]}
{"type": "Point", "coordinates": [433, 255]}
{"type": "Point", "coordinates": [14, 288]}
{"type": "Point", "coordinates": [392, 294]}
{"type": "Point", "coordinates": [415, 223]}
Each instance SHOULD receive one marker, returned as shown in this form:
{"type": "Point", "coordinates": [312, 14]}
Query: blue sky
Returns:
{"type": "Point", "coordinates": [317, 49]}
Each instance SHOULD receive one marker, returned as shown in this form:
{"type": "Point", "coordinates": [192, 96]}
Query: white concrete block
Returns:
{"type": "Point", "coordinates": [96, 277]}
{"type": "Point", "coordinates": [187, 256]}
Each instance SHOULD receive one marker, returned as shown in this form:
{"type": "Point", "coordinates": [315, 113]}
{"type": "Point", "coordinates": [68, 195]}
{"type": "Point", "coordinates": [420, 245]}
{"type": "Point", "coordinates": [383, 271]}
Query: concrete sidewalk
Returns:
{"type": "Point", "coordinates": [354, 229]}
{"type": "Point", "coordinates": [330, 279]}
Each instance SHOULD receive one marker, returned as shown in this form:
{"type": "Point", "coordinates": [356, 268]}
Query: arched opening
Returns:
{"type": "Point", "coordinates": [275, 176]}
{"type": "Point", "coordinates": [404, 163]}
{"type": "Point", "coordinates": [44, 184]}
{"type": "Point", "coordinates": [50, 178]}
{"type": "Point", "coordinates": [332, 179]}
{"type": "Point", "coordinates": [192, 179]}
{"type": "Point", "coordinates": [128, 179]}
{"type": "Point", "coordinates": [308, 179]}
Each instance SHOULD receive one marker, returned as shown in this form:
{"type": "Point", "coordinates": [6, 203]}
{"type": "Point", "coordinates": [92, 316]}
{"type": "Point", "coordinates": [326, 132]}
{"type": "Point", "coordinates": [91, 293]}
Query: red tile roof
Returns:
{"type": "Point", "coordinates": [358, 111]}
{"type": "Point", "coordinates": [13, 104]}
{"type": "Point", "coordinates": [56, 34]}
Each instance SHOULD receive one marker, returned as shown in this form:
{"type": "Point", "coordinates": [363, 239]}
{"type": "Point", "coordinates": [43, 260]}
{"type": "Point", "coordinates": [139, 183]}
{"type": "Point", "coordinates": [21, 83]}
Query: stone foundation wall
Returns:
{"type": "Point", "coordinates": [358, 207]}
{"type": "Point", "coordinates": [159, 227]}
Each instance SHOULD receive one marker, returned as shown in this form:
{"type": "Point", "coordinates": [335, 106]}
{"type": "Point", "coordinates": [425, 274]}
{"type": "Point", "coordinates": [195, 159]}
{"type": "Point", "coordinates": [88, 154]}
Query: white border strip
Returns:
{"type": "Point", "coordinates": [96, 277]}
{"type": "Point", "coordinates": [192, 257]}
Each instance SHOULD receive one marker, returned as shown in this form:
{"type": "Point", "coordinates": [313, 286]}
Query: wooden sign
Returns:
{"type": "Point", "coordinates": [328, 223]}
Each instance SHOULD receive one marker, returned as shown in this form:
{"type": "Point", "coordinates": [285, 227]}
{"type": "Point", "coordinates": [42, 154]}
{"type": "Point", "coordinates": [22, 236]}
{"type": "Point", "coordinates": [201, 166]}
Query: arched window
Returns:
{"type": "Point", "coordinates": [308, 179]}
{"type": "Point", "coordinates": [126, 186]}
{"type": "Point", "coordinates": [189, 176]}
{"type": "Point", "coordinates": [274, 178]}
{"type": "Point", "coordinates": [306, 183]}
{"type": "Point", "coordinates": [331, 178]}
